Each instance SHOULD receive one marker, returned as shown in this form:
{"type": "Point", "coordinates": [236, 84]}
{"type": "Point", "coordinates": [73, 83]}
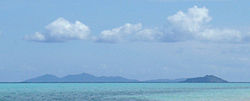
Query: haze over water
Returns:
{"type": "Point", "coordinates": [124, 92]}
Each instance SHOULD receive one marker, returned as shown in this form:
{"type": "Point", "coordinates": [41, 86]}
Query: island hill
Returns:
{"type": "Point", "coordinates": [88, 78]}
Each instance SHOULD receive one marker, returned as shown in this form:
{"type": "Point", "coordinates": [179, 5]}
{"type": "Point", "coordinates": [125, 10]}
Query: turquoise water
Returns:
{"type": "Point", "coordinates": [124, 92]}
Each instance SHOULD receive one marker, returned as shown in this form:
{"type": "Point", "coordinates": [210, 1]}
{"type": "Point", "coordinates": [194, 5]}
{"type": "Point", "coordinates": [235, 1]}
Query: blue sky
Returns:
{"type": "Point", "coordinates": [139, 39]}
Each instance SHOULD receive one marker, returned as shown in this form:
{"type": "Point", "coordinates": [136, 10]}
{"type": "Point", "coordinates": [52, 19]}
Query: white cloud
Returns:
{"type": "Point", "coordinates": [192, 21]}
{"type": "Point", "coordinates": [194, 25]}
{"type": "Point", "coordinates": [221, 35]}
{"type": "Point", "coordinates": [128, 32]}
{"type": "Point", "coordinates": [182, 26]}
{"type": "Point", "coordinates": [149, 35]}
{"type": "Point", "coordinates": [61, 30]}
{"type": "Point", "coordinates": [120, 33]}
{"type": "Point", "coordinates": [36, 37]}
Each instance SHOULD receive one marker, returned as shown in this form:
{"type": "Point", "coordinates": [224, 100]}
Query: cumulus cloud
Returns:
{"type": "Point", "coordinates": [194, 25]}
{"type": "Point", "coordinates": [128, 32]}
{"type": "Point", "coordinates": [220, 35]}
{"type": "Point", "coordinates": [61, 30]}
{"type": "Point", "coordinates": [182, 26]}
{"type": "Point", "coordinates": [120, 33]}
{"type": "Point", "coordinates": [192, 21]}
{"type": "Point", "coordinates": [149, 34]}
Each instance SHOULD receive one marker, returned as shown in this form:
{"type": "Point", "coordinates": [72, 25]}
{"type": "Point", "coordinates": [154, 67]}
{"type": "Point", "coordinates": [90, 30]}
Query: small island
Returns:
{"type": "Point", "coordinates": [205, 79]}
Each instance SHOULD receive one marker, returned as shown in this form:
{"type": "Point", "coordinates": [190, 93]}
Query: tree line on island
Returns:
{"type": "Point", "coordinates": [88, 78]}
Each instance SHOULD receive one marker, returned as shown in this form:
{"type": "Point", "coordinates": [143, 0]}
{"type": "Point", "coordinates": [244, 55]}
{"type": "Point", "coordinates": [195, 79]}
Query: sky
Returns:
{"type": "Point", "coordinates": [137, 39]}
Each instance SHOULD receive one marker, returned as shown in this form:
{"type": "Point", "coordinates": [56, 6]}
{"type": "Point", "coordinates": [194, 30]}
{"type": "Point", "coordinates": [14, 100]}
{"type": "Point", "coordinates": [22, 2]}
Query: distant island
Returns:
{"type": "Point", "coordinates": [205, 79]}
{"type": "Point", "coordinates": [80, 78]}
{"type": "Point", "coordinates": [88, 78]}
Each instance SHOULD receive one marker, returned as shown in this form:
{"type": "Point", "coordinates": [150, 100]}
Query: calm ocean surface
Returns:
{"type": "Point", "coordinates": [124, 92]}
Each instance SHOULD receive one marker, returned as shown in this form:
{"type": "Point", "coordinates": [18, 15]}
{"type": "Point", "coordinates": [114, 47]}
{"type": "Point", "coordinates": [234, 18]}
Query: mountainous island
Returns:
{"type": "Point", "coordinates": [88, 78]}
{"type": "Point", "coordinates": [81, 78]}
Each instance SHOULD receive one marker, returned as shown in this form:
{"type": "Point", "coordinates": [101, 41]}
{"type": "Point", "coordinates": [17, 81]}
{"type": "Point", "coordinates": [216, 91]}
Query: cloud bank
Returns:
{"type": "Point", "coordinates": [182, 26]}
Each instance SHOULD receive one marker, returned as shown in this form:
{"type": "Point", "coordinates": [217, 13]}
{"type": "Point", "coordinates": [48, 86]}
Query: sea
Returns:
{"type": "Point", "coordinates": [124, 91]}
